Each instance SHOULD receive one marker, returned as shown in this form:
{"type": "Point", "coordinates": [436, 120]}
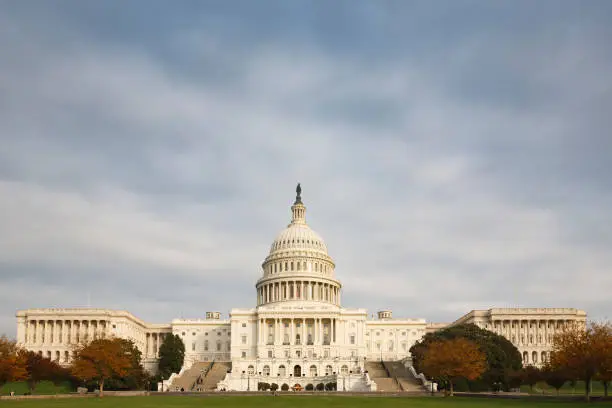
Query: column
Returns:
{"type": "Point", "coordinates": [303, 335]}
{"type": "Point", "coordinates": [292, 331]}
{"type": "Point", "coordinates": [277, 329]}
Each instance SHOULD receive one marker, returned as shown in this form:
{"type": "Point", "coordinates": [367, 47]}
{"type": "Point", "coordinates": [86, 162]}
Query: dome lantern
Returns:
{"type": "Point", "coordinates": [298, 209]}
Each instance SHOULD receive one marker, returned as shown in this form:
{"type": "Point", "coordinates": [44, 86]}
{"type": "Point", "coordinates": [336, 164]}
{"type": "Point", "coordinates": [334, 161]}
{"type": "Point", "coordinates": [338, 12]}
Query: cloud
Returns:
{"type": "Point", "coordinates": [153, 169]}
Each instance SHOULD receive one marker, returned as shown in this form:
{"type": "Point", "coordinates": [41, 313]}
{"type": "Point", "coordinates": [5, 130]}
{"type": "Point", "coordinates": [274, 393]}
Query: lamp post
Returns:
{"type": "Point", "coordinates": [432, 390]}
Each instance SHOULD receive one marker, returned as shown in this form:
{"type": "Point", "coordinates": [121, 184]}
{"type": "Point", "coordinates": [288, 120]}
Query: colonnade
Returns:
{"type": "Point", "coordinates": [152, 343]}
{"type": "Point", "coordinates": [50, 332]}
{"type": "Point", "coordinates": [297, 331]}
{"type": "Point", "coordinates": [298, 290]}
{"type": "Point", "coordinates": [530, 334]}
{"type": "Point", "coordinates": [530, 331]}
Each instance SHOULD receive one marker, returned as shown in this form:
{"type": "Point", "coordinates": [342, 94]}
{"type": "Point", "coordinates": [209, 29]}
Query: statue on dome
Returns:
{"type": "Point", "coordinates": [298, 190]}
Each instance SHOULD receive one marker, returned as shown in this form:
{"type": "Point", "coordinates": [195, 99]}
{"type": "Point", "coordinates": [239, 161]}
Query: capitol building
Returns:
{"type": "Point", "coordinates": [297, 333]}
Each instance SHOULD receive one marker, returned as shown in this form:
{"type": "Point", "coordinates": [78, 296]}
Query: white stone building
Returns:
{"type": "Point", "coordinates": [297, 333]}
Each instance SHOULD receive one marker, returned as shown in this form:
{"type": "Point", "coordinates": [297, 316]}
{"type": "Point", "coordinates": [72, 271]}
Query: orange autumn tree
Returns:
{"type": "Point", "coordinates": [12, 365]}
{"type": "Point", "coordinates": [100, 360]}
{"type": "Point", "coordinates": [585, 352]}
{"type": "Point", "coordinates": [452, 359]}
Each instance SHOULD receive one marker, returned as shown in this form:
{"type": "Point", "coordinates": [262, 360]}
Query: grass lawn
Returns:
{"type": "Point", "coordinates": [42, 388]}
{"type": "Point", "coordinates": [292, 401]}
{"type": "Point", "coordinates": [567, 389]}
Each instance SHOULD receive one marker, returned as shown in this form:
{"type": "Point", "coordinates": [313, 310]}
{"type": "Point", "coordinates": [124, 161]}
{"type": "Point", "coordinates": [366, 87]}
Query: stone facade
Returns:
{"type": "Point", "coordinates": [297, 333]}
{"type": "Point", "coordinates": [531, 330]}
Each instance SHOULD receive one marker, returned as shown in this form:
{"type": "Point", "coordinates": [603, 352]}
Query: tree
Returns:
{"type": "Point", "coordinates": [584, 352]}
{"type": "Point", "coordinates": [12, 363]}
{"type": "Point", "coordinates": [452, 359]}
{"type": "Point", "coordinates": [530, 376]}
{"type": "Point", "coordinates": [39, 368]}
{"type": "Point", "coordinates": [102, 359]}
{"type": "Point", "coordinates": [171, 355]}
{"type": "Point", "coordinates": [274, 387]}
{"type": "Point", "coordinates": [285, 387]}
{"type": "Point", "coordinates": [503, 358]}
{"type": "Point", "coordinates": [136, 376]}
{"type": "Point", "coordinates": [556, 378]}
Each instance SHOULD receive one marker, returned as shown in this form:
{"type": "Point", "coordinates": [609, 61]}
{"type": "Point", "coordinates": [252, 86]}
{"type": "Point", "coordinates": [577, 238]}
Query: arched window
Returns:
{"type": "Point", "coordinates": [313, 370]}
{"type": "Point", "coordinates": [309, 341]}
{"type": "Point", "coordinates": [292, 265]}
{"type": "Point", "coordinates": [282, 371]}
{"type": "Point", "coordinates": [328, 370]}
{"type": "Point", "coordinates": [285, 266]}
{"type": "Point", "coordinates": [218, 346]}
{"type": "Point", "coordinates": [344, 370]}
{"type": "Point", "coordinates": [543, 360]}
{"type": "Point", "coordinates": [251, 370]}
{"type": "Point", "coordinates": [266, 370]}
{"type": "Point", "coordinates": [525, 357]}
{"type": "Point", "coordinates": [298, 340]}
{"type": "Point", "coordinates": [316, 267]}
{"type": "Point", "coordinates": [390, 345]}
{"type": "Point", "coordinates": [228, 345]}
{"type": "Point", "coordinates": [304, 265]}
{"type": "Point", "coordinates": [286, 338]}
{"type": "Point", "coordinates": [534, 357]}
{"type": "Point", "coordinates": [299, 266]}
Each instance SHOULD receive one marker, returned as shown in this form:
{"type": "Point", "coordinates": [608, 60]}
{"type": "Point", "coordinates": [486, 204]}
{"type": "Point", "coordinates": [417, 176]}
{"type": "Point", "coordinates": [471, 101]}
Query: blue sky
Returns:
{"type": "Point", "coordinates": [454, 155]}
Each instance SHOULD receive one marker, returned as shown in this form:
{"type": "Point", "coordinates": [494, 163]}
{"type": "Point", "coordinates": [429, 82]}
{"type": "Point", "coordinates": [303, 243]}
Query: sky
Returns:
{"type": "Point", "coordinates": [454, 155]}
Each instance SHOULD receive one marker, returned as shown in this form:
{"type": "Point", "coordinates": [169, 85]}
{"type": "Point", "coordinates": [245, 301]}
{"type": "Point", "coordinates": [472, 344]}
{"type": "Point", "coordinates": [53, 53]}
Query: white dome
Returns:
{"type": "Point", "coordinates": [298, 237]}
{"type": "Point", "coordinates": [298, 268]}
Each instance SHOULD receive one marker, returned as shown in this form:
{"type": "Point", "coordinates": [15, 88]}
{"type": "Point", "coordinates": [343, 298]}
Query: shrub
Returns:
{"type": "Point", "coordinates": [285, 387]}
{"type": "Point", "coordinates": [274, 387]}
{"type": "Point", "coordinates": [263, 386]}
{"type": "Point", "coordinates": [320, 387]}
{"type": "Point", "coordinates": [309, 387]}
{"type": "Point", "coordinates": [330, 386]}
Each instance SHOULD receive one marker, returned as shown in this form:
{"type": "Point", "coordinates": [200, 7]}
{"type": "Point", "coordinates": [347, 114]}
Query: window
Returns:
{"type": "Point", "coordinates": [244, 354]}
{"type": "Point", "coordinates": [244, 339]}
{"type": "Point", "coordinates": [206, 334]}
{"type": "Point", "coordinates": [344, 370]}
{"type": "Point", "coordinates": [266, 370]}
{"type": "Point", "coordinates": [251, 370]}
{"type": "Point", "coordinates": [282, 371]}
{"type": "Point", "coordinates": [313, 371]}
{"type": "Point", "coordinates": [218, 346]}
{"type": "Point", "coordinates": [270, 355]}
{"type": "Point", "coordinates": [206, 345]}
{"type": "Point", "coordinates": [193, 346]}
{"type": "Point", "coordinates": [352, 339]}
{"type": "Point", "coordinates": [218, 333]}
{"type": "Point", "coordinates": [183, 333]}
{"type": "Point", "coordinates": [243, 324]}
{"type": "Point", "coordinates": [328, 370]}
{"type": "Point", "coordinates": [193, 334]}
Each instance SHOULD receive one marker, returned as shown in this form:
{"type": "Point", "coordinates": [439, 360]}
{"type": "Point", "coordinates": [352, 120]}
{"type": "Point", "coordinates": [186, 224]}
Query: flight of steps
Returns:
{"type": "Point", "coordinates": [188, 379]}
{"type": "Point", "coordinates": [215, 374]}
{"type": "Point", "coordinates": [378, 374]}
{"type": "Point", "coordinates": [404, 377]}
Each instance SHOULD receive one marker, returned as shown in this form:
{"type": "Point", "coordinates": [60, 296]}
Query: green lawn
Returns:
{"type": "Point", "coordinates": [293, 401]}
{"type": "Point", "coordinates": [567, 389]}
{"type": "Point", "coordinates": [43, 388]}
